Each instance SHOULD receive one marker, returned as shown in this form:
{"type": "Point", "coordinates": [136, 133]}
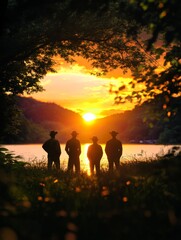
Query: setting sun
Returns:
{"type": "Point", "coordinates": [89, 117]}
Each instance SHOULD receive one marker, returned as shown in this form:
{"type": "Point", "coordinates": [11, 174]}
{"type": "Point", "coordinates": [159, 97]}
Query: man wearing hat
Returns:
{"type": "Point", "coordinates": [94, 154]}
{"type": "Point", "coordinates": [73, 149]}
{"type": "Point", "coordinates": [114, 151]}
{"type": "Point", "coordinates": [52, 147]}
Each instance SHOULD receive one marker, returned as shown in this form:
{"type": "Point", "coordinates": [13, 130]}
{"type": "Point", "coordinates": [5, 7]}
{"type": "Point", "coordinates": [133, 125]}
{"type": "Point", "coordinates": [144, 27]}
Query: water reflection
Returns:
{"type": "Point", "coordinates": [84, 159]}
{"type": "Point", "coordinates": [35, 153]}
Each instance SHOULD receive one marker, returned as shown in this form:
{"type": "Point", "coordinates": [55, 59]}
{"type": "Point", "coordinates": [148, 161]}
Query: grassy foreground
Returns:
{"type": "Point", "coordinates": [143, 202]}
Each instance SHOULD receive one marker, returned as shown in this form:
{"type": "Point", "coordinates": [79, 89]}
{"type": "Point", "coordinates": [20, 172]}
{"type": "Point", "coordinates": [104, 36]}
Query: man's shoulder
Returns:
{"type": "Point", "coordinates": [71, 140]}
{"type": "Point", "coordinates": [90, 146]}
{"type": "Point", "coordinates": [56, 142]}
{"type": "Point", "coordinates": [108, 141]}
{"type": "Point", "coordinates": [68, 141]}
{"type": "Point", "coordinates": [75, 140]}
{"type": "Point", "coordinates": [113, 141]}
{"type": "Point", "coordinates": [47, 141]}
{"type": "Point", "coordinates": [118, 141]}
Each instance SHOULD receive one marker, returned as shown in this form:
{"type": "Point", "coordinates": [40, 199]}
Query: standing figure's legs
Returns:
{"type": "Point", "coordinates": [57, 164]}
{"type": "Point", "coordinates": [77, 165]}
{"type": "Point", "coordinates": [50, 161]}
{"type": "Point", "coordinates": [91, 167]}
{"type": "Point", "coordinates": [70, 165]}
{"type": "Point", "coordinates": [117, 164]}
{"type": "Point", "coordinates": [98, 168]}
{"type": "Point", "coordinates": [110, 165]}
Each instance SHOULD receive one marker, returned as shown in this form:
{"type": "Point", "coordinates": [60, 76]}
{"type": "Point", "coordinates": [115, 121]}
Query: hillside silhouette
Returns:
{"type": "Point", "coordinates": [144, 124]}
{"type": "Point", "coordinates": [50, 116]}
{"type": "Point", "coordinates": [44, 112]}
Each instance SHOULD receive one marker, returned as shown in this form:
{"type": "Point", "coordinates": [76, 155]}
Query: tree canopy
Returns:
{"type": "Point", "coordinates": [35, 31]}
{"type": "Point", "coordinates": [142, 36]}
{"type": "Point", "coordinates": [162, 21]}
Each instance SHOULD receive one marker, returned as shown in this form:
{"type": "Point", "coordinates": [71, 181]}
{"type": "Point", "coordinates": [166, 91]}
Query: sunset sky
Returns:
{"type": "Point", "coordinates": [74, 88]}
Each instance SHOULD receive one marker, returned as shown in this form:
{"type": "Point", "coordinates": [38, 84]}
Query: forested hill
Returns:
{"type": "Point", "coordinates": [45, 112]}
{"type": "Point", "coordinates": [50, 116]}
{"type": "Point", "coordinates": [147, 123]}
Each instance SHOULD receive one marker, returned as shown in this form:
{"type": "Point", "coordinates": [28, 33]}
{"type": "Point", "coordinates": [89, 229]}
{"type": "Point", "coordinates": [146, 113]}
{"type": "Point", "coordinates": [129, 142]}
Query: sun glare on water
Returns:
{"type": "Point", "coordinates": [88, 117]}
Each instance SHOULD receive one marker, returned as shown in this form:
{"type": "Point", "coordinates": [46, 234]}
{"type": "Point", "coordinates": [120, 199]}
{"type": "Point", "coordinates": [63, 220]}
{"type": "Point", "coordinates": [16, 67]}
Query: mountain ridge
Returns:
{"type": "Point", "coordinates": [138, 125]}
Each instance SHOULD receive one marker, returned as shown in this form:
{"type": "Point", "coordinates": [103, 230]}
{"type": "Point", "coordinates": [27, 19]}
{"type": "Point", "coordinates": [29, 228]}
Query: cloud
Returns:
{"type": "Point", "coordinates": [46, 82]}
{"type": "Point", "coordinates": [73, 88]}
{"type": "Point", "coordinates": [110, 112]}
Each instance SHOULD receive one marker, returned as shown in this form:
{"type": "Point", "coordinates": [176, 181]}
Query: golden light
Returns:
{"type": "Point", "coordinates": [85, 160]}
{"type": "Point", "coordinates": [88, 117]}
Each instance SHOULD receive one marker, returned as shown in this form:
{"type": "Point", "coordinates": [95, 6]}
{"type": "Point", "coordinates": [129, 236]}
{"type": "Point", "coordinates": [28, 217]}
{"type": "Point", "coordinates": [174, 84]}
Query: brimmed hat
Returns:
{"type": "Point", "coordinates": [94, 138]}
{"type": "Point", "coordinates": [113, 133]}
{"type": "Point", "coordinates": [74, 133]}
{"type": "Point", "coordinates": [53, 133]}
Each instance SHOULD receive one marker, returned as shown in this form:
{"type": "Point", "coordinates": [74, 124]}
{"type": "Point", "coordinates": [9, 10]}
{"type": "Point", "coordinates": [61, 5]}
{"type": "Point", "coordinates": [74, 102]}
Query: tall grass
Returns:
{"type": "Point", "coordinates": [143, 201]}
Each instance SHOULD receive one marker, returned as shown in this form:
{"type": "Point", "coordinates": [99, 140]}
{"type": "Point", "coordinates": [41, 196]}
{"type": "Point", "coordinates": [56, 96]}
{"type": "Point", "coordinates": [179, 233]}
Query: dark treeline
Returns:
{"type": "Point", "coordinates": [147, 123]}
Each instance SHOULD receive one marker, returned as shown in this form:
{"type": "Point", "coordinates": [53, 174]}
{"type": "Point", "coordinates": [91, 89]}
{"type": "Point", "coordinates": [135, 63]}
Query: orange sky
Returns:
{"type": "Point", "coordinates": [74, 88]}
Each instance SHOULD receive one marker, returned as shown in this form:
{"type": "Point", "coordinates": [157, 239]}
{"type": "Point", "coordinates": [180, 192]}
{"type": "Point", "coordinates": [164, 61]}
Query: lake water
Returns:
{"type": "Point", "coordinates": [35, 153]}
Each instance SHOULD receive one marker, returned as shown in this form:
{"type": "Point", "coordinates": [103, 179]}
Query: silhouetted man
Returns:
{"type": "Point", "coordinates": [73, 149]}
{"type": "Point", "coordinates": [94, 154]}
{"type": "Point", "coordinates": [52, 147]}
{"type": "Point", "coordinates": [113, 151]}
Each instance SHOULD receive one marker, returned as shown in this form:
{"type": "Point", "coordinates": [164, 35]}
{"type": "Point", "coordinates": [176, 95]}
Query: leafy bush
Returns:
{"type": "Point", "coordinates": [143, 201]}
